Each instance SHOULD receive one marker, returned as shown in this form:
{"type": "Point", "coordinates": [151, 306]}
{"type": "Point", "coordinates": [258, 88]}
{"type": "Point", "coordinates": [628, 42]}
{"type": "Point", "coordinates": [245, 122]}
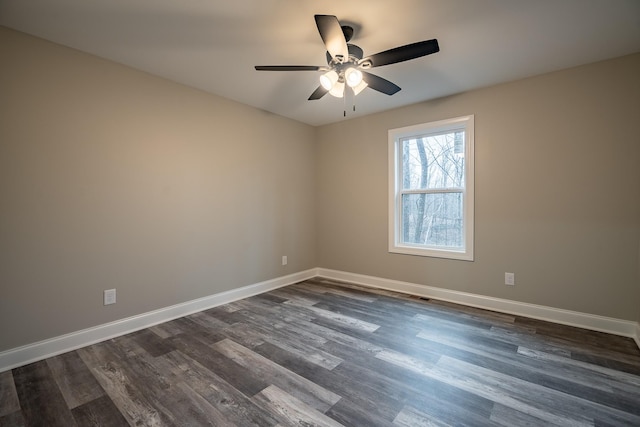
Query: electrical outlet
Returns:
{"type": "Point", "coordinates": [284, 260]}
{"type": "Point", "coordinates": [109, 296]}
{"type": "Point", "coordinates": [509, 279]}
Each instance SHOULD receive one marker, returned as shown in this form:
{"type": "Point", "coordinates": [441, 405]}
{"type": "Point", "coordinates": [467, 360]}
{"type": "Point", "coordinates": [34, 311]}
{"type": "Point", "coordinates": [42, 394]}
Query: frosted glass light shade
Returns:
{"type": "Point", "coordinates": [360, 87]}
{"type": "Point", "coordinates": [337, 90]}
{"type": "Point", "coordinates": [353, 76]}
{"type": "Point", "coordinates": [329, 79]}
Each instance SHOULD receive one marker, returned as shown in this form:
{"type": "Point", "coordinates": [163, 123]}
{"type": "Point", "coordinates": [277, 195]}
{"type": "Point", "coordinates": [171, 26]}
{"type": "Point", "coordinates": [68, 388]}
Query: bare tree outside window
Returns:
{"type": "Point", "coordinates": [430, 201]}
{"type": "Point", "coordinates": [433, 169]}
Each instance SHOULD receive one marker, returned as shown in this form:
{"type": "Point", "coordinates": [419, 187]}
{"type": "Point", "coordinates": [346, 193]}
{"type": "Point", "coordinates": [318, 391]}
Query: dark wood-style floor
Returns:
{"type": "Point", "coordinates": [320, 353]}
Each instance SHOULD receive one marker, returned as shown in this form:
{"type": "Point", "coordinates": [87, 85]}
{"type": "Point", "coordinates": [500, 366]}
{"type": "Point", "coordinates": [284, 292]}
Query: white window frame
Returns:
{"type": "Point", "coordinates": [465, 123]}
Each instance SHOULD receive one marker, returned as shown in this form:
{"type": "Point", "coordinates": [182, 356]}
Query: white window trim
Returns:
{"type": "Point", "coordinates": [395, 246]}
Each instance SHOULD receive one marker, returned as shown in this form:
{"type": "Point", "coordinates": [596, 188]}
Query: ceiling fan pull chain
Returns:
{"type": "Point", "coordinates": [344, 103]}
{"type": "Point", "coordinates": [353, 99]}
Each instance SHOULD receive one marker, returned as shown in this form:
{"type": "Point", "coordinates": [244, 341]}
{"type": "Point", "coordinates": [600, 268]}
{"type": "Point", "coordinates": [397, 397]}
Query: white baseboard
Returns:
{"type": "Point", "coordinates": [51, 347]}
{"type": "Point", "coordinates": [593, 322]}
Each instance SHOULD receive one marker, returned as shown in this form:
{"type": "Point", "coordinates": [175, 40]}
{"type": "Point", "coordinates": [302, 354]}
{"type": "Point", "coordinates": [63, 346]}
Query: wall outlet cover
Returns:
{"type": "Point", "coordinates": [509, 279]}
{"type": "Point", "coordinates": [109, 296]}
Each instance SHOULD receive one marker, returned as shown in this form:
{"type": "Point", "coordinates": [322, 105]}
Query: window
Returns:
{"type": "Point", "coordinates": [431, 189]}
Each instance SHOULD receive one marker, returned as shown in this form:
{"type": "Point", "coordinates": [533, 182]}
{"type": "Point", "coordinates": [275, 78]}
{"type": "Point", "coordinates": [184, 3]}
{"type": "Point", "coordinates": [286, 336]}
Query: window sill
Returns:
{"type": "Point", "coordinates": [460, 255]}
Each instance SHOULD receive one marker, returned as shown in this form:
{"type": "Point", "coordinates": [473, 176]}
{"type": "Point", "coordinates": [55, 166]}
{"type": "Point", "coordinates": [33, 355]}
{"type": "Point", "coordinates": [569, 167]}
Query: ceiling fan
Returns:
{"type": "Point", "coordinates": [346, 64]}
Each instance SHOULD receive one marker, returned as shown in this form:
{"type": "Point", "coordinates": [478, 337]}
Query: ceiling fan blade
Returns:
{"type": "Point", "coordinates": [332, 36]}
{"type": "Point", "coordinates": [402, 53]}
{"type": "Point", "coordinates": [289, 68]}
{"type": "Point", "coordinates": [380, 84]}
{"type": "Point", "coordinates": [318, 93]}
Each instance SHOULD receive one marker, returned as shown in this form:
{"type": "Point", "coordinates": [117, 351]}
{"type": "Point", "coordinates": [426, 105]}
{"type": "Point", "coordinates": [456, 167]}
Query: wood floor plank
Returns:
{"type": "Point", "coordinates": [290, 410]}
{"type": "Point", "coordinates": [533, 365]}
{"type": "Point", "coordinates": [268, 297]}
{"type": "Point", "coordinates": [187, 407]}
{"type": "Point", "coordinates": [244, 334]}
{"type": "Point", "coordinates": [296, 297]}
{"type": "Point", "coordinates": [76, 382]}
{"type": "Point", "coordinates": [307, 391]}
{"type": "Point", "coordinates": [404, 341]}
{"type": "Point", "coordinates": [9, 402]}
{"type": "Point", "coordinates": [14, 419]}
{"type": "Point", "coordinates": [287, 311]}
{"type": "Point", "coordinates": [453, 321]}
{"type": "Point", "coordinates": [164, 390]}
{"type": "Point", "coordinates": [234, 373]}
{"type": "Point", "coordinates": [192, 328]}
{"type": "Point", "coordinates": [615, 361]}
{"type": "Point", "coordinates": [40, 398]}
{"type": "Point", "coordinates": [336, 336]}
{"type": "Point", "coordinates": [290, 337]}
{"type": "Point", "coordinates": [549, 376]}
{"type": "Point", "coordinates": [208, 320]}
{"type": "Point", "coordinates": [166, 330]}
{"type": "Point", "coordinates": [484, 386]}
{"type": "Point", "coordinates": [271, 326]}
{"type": "Point", "coordinates": [553, 377]}
{"type": "Point", "coordinates": [411, 417]}
{"type": "Point", "coordinates": [234, 405]}
{"type": "Point", "coordinates": [375, 313]}
{"type": "Point", "coordinates": [350, 413]}
{"type": "Point", "coordinates": [151, 343]}
{"type": "Point", "coordinates": [602, 347]}
{"type": "Point", "coordinates": [362, 313]}
{"type": "Point", "coordinates": [609, 376]}
{"type": "Point", "coordinates": [417, 365]}
{"type": "Point", "coordinates": [378, 398]}
{"type": "Point", "coordinates": [127, 396]}
{"type": "Point", "coordinates": [347, 321]}
{"type": "Point", "coordinates": [422, 392]}
{"type": "Point", "coordinates": [514, 394]}
{"type": "Point", "coordinates": [526, 338]}
{"type": "Point", "coordinates": [508, 417]}
{"type": "Point", "coordinates": [472, 312]}
{"type": "Point", "coordinates": [312, 354]}
{"type": "Point", "coordinates": [328, 289]}
{"type": "Point", "coordinates": [594, 341]}
{"type": "Point", "coordinates": [538, 401]}
{"type": "Point", "coordinates": [400, 385]}
{"type": "Point", "coordinates": [100, 412]}
{"type": "Point", "coordinates": [442, 403]}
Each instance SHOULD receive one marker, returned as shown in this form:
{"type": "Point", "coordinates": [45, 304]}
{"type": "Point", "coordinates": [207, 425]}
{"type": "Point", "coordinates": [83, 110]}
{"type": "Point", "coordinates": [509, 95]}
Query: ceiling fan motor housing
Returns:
{"type": "Point", "coordinates": [355, 54]}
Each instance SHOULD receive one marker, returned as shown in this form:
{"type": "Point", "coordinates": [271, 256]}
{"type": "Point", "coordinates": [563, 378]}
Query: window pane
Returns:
{"type": "Point", "coordinates": [433, 219]}
{"type": "Point", "coordinates": [434, 161]}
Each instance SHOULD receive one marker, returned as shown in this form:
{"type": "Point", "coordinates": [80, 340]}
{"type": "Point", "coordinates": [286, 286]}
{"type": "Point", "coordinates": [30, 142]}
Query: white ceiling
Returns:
{"type": "Point", "coordinates": [214, 44]}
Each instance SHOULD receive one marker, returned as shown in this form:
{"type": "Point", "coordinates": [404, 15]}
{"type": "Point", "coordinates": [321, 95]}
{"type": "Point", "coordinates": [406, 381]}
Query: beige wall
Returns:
{"type": "Point", "coordinates": [112, 178]}
{"type": "Point", "coordinates": [557, 191]}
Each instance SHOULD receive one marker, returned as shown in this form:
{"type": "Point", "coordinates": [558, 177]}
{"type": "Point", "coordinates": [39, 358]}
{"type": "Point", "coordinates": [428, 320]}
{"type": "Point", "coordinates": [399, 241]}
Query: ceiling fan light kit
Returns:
{"type": "Point", "coordinates": [346, 62]}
